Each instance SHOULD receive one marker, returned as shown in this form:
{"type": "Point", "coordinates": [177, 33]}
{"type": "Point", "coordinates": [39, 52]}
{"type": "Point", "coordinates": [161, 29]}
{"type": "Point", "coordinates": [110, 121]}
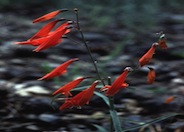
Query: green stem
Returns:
{"type": "Point", "coordinates": [111, 106]}
{"type": "Point", "coordinates": [87, 47]}
{"type": "Point", "coordinates": [111, 99]}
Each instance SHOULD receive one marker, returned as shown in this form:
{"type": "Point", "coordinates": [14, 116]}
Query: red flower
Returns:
{"type": "Point", "coordinates": [145, 59]}
{"type": "Point", "coordinates": [169, 99]}
{"type": "Point", "coordinates": [51, 40]}
{"type": "Point", "coordinates": [106, 87]}
{"type": "Point", "coordinates": [162, 42]}
{"type": "Point", "coordinates": [44, 31]}
{"type": "Point", "coordinates": [61, 27]}
{"type": "Point", "coordinates": [151, 75]}
{"type": "Point", "coordinates": [69, 86]}
{"type": "Point", "coordinates": [45, 38]}
{"type": "Point", "coordinates": [48, 16]}
{"type": "Point", "coordinates": [34, 42]}
{"type": "Point", "coordinates": [59, 70]}
{"type": "Point", "coordinates": [118, 83]}
{"type": "Point", "coordinates": [81, 98]}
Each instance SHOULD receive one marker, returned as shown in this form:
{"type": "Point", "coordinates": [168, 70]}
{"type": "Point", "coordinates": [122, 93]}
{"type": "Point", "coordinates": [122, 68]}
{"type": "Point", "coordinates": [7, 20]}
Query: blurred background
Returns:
{"type": "Point", "coordinates": [119, 33]}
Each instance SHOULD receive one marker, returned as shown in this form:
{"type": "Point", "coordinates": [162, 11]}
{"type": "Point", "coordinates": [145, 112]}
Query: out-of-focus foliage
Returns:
{"type": "Point", "coordinates": [133, 14]}
{"type": "Point", "coordinates": [129, 13]}
{"type": "Point", "coordinates": [24, 4]}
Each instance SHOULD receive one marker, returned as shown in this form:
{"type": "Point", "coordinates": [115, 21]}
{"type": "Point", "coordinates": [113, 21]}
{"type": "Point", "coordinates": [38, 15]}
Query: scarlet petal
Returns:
{"type": "Point", "coordinates": [106, 87]}
{"type": "Point", "coordinates": [23, 43]}
{"type": "Point", "coordinates": [44, 31]}
{"type": "Point", "coordinates": [69, 86]}
{"type": "Point", "coordinates": [61, 27]}
{"type": "Point", "coordinates": [66, 105]}
{"type": "Point", "coordinates": [52, 40]}
{"type": "Point", "coordinates": [47, 16]}
{"type": "Point", "coordinates": [58, 70]}
{"type": "Point", "coordinates": [151, 75]}
{"type": "Point", "coordinates": [124, 85]}
{"type": "Point", "coordinates": [35, 42]}
{"type": "Point", "coordinates": [81, 98]}
{"type": "Point", "coordinates": [169, 99]}
{"type": "Point", "coordinates": [145, 59]}
{"type": "Point", "coordinates": [87, 95]}
{"type": "Point", "coordinates": [117, 84]}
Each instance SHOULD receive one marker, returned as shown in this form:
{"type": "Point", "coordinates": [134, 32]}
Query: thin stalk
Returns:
{"type": "Point", "coordinates": [111, 106]}
{"type": "Point", "coordinates": [111, 99]}
{"type": "Point", "coordinates": [87, 47]}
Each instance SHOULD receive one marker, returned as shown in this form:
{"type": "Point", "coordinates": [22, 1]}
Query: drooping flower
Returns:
{"type": "Point", "coordinates": [45, 38]}
{"type": "Point", "coordinates": [106, 87]}
{"type": "Point", "coordinates": [145, 59]}
{"type": "Point", "coordinates": [61, 27]}
{"type": "Point", "coordinates": [59, 70]}
{"type": "Point", "coordinates": [34, 42]}
{"type": "Point", "coordinates": [51, 40]}
{"type": "Point", "coordinates": [151, 75]}
{"type": "Point", "coordinates": [162, 42]}
{"type": "Point", "coordinates": [49, 16]}
{"type": "Point", "coordinates": [169, 99]}
{"type": "Point", "coordinates": [44, 31]}
{"type": "Point", "coordinates": [118, 83]}
{"type": "Point", "coordinates": [81, 98]}
{"type": "Point", "coordinates": [69, 86]}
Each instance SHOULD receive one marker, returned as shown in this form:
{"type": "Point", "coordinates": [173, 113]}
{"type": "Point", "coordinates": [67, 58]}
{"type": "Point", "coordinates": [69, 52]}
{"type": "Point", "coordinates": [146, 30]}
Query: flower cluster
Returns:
{"type": "Point", "coordinates": [47, 37]}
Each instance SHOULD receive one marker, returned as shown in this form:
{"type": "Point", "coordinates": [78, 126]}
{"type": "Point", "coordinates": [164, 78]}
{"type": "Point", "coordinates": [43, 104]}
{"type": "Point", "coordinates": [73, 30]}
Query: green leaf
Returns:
{"type": "Point", "coordinates": [116, 121]}
{"type": "Point", "coordinates": [53, 99]}
{"type": "Point", "coordinates": [84, 87]}
{"type": "Point", "coordinates": [106, 100]}
{"type": "Point", "coordinates": [150, 122]}
{"type": "Point", "coordinates": [100, 128]}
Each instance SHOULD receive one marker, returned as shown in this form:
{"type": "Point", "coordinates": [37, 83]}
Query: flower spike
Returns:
{"type": "Point", "coordinates": [59, 70]}
{"type": "Point", "coordinates": [145, 59]}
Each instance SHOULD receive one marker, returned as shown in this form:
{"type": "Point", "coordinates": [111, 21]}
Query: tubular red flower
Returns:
{"type": "Point", "coordinates": [169, 99]}
{"type": "Point", "coordinates": [51, 40]}
{"type": "Point", "coordinates": [118, 83]}
{"type": "Point", "coordinates": [47, 16]}
{"type": "Point", "coordinates": [69, 86]}
{"type": "Point", "coordinates": [81, 98]}
{"type": "Point", "coordinates": [145, 59]}
{"type": "Point", "coordinates": [34, 42]}
{"type": "Point", "coordinates": [44, 31]}
{"type": "Point", "coordinates": [59, 70]}
{"type": "Point", "coordinates": [63, 26]}
{"type": "Point", "coordinates": [44, 34]}
{"type": "Point", "coordinates": [151, 75]}
{"type": "Point", "coordinates": [106, 87]}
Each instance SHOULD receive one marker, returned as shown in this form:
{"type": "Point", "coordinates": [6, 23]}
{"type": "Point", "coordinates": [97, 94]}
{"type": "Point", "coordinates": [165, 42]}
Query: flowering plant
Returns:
{"type": "Point", "coordinates": [47, 37]}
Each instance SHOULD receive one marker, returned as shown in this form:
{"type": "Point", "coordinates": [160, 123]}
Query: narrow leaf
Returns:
{"type": "Point", "coordinates": [106, 100]}
{"type": "Point", "coordinates": [53, 99]}
{"type": "Point", "coordinates": [116, 121]}
{"type": "Point", "coordinates": [150, 122]}
{"type": "Point", "coordinates": [100, 128]}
